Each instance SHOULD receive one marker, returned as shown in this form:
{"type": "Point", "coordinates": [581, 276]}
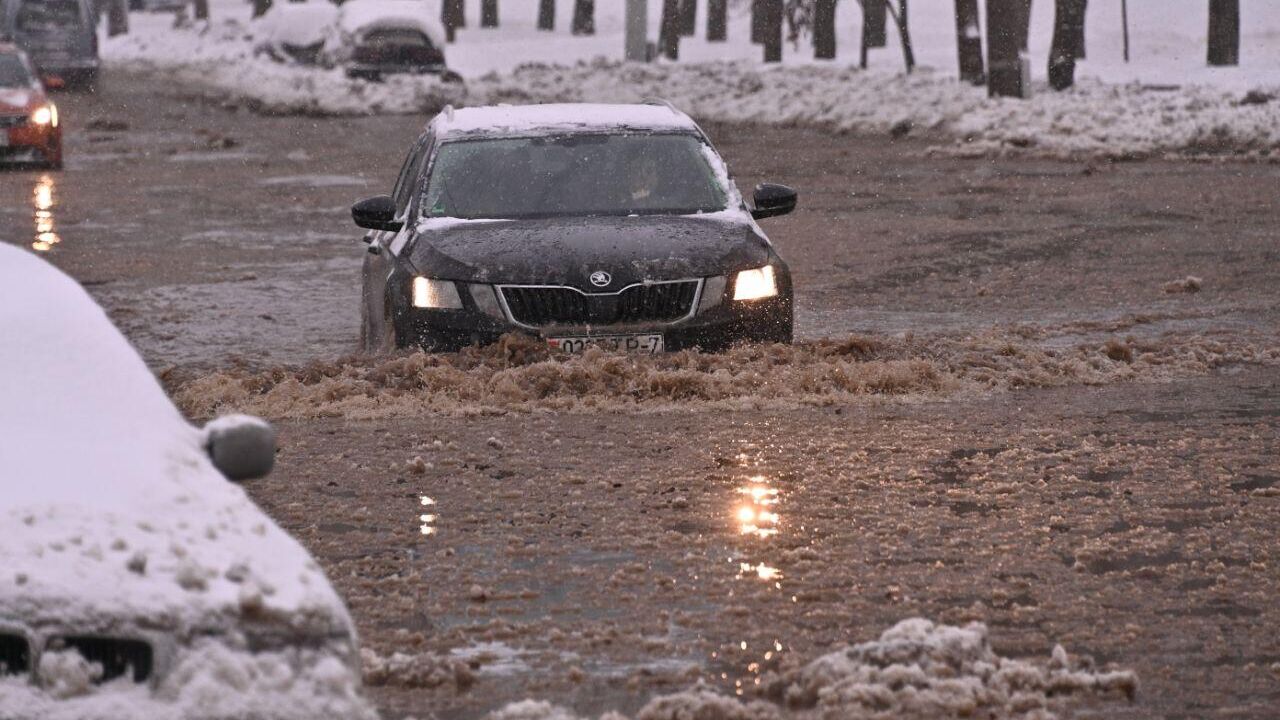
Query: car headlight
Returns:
{"type": "Point", "coordinates": [755, 284]}
{"type": "Point", "coordinates": [46, 115]}
{"type": "Point", "coordinates": [436, 294]}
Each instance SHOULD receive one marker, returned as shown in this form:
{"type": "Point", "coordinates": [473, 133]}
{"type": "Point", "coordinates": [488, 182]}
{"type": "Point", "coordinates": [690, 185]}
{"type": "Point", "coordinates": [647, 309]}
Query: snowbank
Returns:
{"type": "Point", "coordinates": [1130, 118]}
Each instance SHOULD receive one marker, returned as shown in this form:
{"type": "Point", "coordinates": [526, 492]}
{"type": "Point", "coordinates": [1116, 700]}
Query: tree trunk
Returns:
{"type": "Point", "coordinates": [546, 14]}
{"type": "Point", "coordinates": [202, 9]}
{"type": "Point", "coordinates": [758, 30]}
{"type": "Point", "coordinates": [1006, 31]}
{"type": "Point", "coordinates": [904, 34]}
{"type": "Point", "coordinates": [453, 15]}
{"type": "Point", "coordinates": [637, 26]}
{"type": "Point", "coordinates": [773, 30]}
{"type": "Point", "coordinates": [489, 13]}
{"type": "Point", "coordinates": [874, 23]}
{"type": "Point", "coordinates": [969, 42]}
{"type": "Point", "coordinates": [717, 20]}
{"type": "Point", "coordinates": [1068, 43]}
{"type": "Point", "coordinates": [260, 7]}
{"type": "Point", "coordinates": [117, 18]}
{"type": "Point", "coordinates": [688, 18]}
{"type": "Point", "coordinates": [824, 29]}
{"type": "Point", "coordinates": [669, 29]}
{"type": "Point", "coordinates": [1224, 32]}
{"type": "Point", "coordinates": [584, 17]}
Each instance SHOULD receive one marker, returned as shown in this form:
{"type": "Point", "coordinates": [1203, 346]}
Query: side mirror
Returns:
{"type": "Point", "coordinates": [242, 447]}
{"type": "Point", "coordinates": [772, 200]}
{"type": "Point", "coordinates": [376, 213]}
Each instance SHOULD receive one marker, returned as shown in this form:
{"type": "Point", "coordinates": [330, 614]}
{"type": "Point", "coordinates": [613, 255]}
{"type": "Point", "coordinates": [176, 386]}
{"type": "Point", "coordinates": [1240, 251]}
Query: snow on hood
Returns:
{"type": "Point", "coordinates": [298, 24]}
{"type": "Point", "coordinates": [112, 511]}
{"type": "Point", "coordinates": [357, 15]}
{"type": "Point", "coordinates": [559, 117]}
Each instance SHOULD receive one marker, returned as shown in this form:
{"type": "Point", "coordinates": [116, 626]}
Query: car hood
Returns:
{"type": "Point", "coordinates": [14, 101]}
{"type": "Point", "coordinates": [566, 251]}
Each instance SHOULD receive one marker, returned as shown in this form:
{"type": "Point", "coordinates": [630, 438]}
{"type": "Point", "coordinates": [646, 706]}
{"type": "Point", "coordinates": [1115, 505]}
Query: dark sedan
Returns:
{"type": "Point", "coordinates": [609, 225]}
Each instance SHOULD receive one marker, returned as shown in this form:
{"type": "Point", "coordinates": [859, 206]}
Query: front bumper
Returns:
{"type": "Point", "coordinates": [31, 143]}
{"type": "Point", "coordinates": [711, 329]}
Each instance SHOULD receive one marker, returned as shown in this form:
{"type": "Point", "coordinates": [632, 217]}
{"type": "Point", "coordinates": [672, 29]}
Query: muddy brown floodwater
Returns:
{"type": "Point", "coordinates": [1039, 395]}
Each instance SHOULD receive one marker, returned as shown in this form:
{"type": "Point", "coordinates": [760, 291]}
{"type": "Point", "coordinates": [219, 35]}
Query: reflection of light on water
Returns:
{"type": "Point", "coordinates": [42, 201]}
{"type": "Point", "coordinates": [428, 520]}
{"type": "Point", "coordinates": [762, 571]}
{"type": "Point", "coordinates": [757, 517]}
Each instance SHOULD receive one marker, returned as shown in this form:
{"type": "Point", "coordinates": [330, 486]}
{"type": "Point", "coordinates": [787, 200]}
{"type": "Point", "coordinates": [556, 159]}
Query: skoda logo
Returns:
{"type": "Point", "coordinates": [601, 278]}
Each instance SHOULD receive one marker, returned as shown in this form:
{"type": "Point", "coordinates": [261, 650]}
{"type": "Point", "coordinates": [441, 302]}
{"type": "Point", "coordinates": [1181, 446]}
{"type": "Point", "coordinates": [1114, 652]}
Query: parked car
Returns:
{"type": "Point", "coordinates": [59, 37]}
{"type": "Point", "coordinates": [369, 39]}
{"type": "Point", "coordinates": [613, 225]}
{"type": "Point", "coordinates": [30, 129]}
{"type": "Point", "coordinates": [137, 580]}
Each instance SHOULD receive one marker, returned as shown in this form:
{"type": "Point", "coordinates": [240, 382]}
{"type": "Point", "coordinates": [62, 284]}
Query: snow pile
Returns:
{"type": "Point", "coordinates": [209, 682]}
{"type": "Point", "coordinates": [918, 669]}
{"type": "Point", "coordinates": [519, 373]}
{"type": "Point", "coordinates": [419, 670]}
{"type": "Point", "coordinates": [1095, 118]}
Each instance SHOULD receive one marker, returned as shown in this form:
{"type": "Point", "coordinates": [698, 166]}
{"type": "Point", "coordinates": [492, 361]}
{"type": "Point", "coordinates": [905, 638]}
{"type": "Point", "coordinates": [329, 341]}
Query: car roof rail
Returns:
{"type": "Point", "coordinates": [447, 112]}
{"type": "Point", "coordinates": [663, 102]}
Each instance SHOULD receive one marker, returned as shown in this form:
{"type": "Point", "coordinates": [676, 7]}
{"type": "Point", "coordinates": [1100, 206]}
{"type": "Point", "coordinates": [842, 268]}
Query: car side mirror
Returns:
{"type": "Point", "coordinates": [376, 213]}
{"type": "Point", "coordinates": [772, 200]}
{"type": "Point", "coordinates": [242, 447]}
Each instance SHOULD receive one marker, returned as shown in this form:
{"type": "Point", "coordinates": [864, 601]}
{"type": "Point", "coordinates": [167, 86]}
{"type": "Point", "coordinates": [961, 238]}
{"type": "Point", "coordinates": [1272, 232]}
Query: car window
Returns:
{"type": "Point", "coordinates": [408, 179]}
{"type": "Point", "coordinates": [13, 73]}
{"type": "Point", "coordinates": [582, 174]}
{"type": "Point", "coordinates": [42, 16]}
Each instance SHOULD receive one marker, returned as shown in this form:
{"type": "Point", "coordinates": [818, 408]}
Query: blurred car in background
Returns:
{"type": "Point", "coordinates": [368, 39]}
{"type": "Point", "coordinates": [30, 130]}
{"type": "Point", "coordinates": [58, 36]}
{"type": "Point", "coordinates": [137, 577]}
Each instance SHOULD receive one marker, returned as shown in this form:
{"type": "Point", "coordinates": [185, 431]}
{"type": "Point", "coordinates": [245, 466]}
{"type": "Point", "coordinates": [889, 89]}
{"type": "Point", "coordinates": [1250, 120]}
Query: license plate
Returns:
{"type": "Point", "coordinates": [649, 344]}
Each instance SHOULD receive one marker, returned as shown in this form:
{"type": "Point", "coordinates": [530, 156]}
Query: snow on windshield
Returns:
{"type": "Point", "coordinates": [572, 175]}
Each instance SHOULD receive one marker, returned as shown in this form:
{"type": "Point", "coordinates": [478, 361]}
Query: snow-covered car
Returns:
{"type": "Point", "coordinates": [383, 37]}
{"type": "Point", "coordinates": [611, 225]}
{"type": "Point", "coordinates": [298, 32]}
{"type": "Point", "coordinates": [30, 130]}
{"type": "Point", "coordinates": [136, 579]}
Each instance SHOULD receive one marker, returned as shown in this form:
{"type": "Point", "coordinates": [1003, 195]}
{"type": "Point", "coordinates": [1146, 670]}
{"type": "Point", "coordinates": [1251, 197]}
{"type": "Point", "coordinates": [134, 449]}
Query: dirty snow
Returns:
{"type": "Point", "coordinates": [1116, 110]}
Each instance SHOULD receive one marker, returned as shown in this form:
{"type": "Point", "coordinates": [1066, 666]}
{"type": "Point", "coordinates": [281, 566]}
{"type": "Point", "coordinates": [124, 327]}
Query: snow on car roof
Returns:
{"type": "Point", "coordinates": [355, 15]}
{"type": "Point", "coordinates": [110, 506]}
{"type": "Point", "coordinates": [507, 120]}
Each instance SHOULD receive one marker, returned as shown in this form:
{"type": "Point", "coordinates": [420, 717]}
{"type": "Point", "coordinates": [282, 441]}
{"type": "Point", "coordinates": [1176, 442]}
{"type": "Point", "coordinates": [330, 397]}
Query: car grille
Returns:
{"type": "Point", "coordinates": [15, 655]}
{"type": "Point", "coordinates": [661, 302]}
{"type": "Point", "coordinates": [12, 121]}
{"type": "Point", "coordinates": [118, 656]}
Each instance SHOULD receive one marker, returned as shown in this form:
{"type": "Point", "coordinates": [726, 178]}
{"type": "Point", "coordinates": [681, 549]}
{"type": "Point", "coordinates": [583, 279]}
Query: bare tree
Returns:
{"type": "Point", "coordinates": [874, 23]}
{"type": "Point", "coordinates": [717, 20]}
{"type": "Point", "coordinates": [201, 8]}
{"type": "Point", "coordinates": [260, 7]}
{"type": "Point", "coordinates": [117, 18]}
{"type": "Point", "coordinates": [758, 30]}
{"type": "Point", "coordinates": [773, 14]}
{"type": "Point", "coordinates": [637, 31]}
{"type": "Point", "coordinates": [688, 17]}
{"type": "Point", "coordinates": [669, 29]}
{"type": "Point", "coordinates": [969, 42]}
{"type": "Point", "coordinates": [453, 15]}
{"type": "Point", "coordinates": [584, 17]}
{"type": "Point", "coordinates": [824, 29]}
{"type": "Point", "coordinates": [1224, 32]}
{"type": "Point", "coordinates": [904, 33]}
{"type": "Point", "coordinates": [489, 13]}
{"type": "Point", "coordinates": [1006, 37]}
{"type": "Point", "coordinates": [546, 14]}
{"type": "Point", "coordinates": [1068, 42]}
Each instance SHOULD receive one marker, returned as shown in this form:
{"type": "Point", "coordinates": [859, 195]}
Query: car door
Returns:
{"type": "Point", "coordinates": [379, 263]}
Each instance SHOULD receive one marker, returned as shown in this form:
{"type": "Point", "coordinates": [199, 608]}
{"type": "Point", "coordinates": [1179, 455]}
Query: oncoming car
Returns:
{"type": "Point", "coordinates": [136, 579]}
{"type": "Point", "coordinates": [609, 225]}
{"type": "Point", "coordinates": [29, 125]}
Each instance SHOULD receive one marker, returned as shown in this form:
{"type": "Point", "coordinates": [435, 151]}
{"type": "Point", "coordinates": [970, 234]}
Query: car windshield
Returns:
{"type": "Point", "coordinates": [12, 72]}
{"type": "Point", "coordinates": [583, 174]}
{"type": "Point", "coordinates": [37, 17]}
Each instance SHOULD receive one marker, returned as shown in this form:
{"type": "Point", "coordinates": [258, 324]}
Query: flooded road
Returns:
{"type": "Point", "coordinates": [1044, 396]}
